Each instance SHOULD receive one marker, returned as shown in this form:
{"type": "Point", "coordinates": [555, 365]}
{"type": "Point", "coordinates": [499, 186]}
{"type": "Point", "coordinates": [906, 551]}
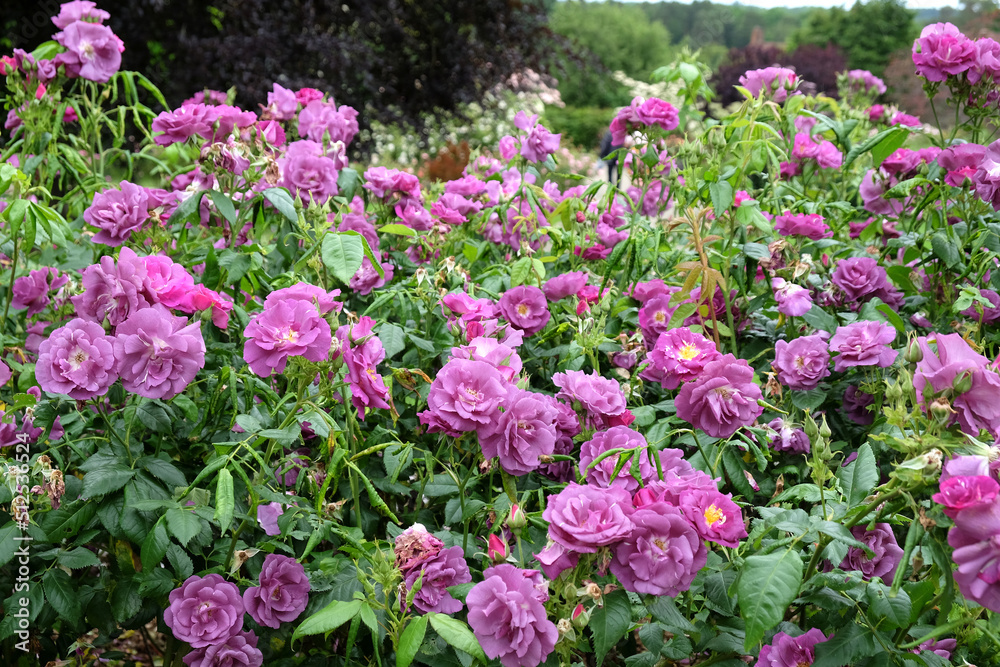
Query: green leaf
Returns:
{"type": "Point", "coordinates": [859, 477]}
{"type": "Point", "coordinates": [458, 634]}
{"type": "Point", "coordinates": [882, 607]}
{"type": "Point", "coordinates": [330, 617]}
{"type": "Point", "coordinates": [106, 479]}
{"type": "Point", "coordinates": [62, 595]}
{"type": "Point", "coordinates": [809, 399]}
{"type": "Point", "coordinates": [393, 339]}
{"type": "Point", "coordinates": [749, 214]}
{"type": "Point", "coordinates": [841, 650]}
{"type": "Point", "coordinates": [722, 197]}
{"type": "Point", "coordinates": [520, 271]}
{"type": "Point", "coordinates": [225, 504]}
{"type": "Point", "coordinates": [610, 622]}
{"type": "Point", "coordinates": [78, 558]}
{"type": "Point", "coordinates": [282, 200]}
{"type": "Point", "coordinates": [186, 210]}
{"type": "Point", "coordinates": [398, 230]}
{"type": "Point", "coordinates": [154, 417]}
{"type": "Point", "coordinates": [224, 204]}
{"type": "Point", "coordinates": [348, 183]}
{"type": "Point", "coordinates": [818, 318]}
{"type": "Point", "coordinates": [893, 317]}
{"type": "Point", "coordinates": [945, 249]}
{"type": "Point", "coordinates": [8, 545]}
{"type": "Point", "coordinates": [183, 524]}
{"type": "Point", "coordinates": [888, 145]}
{"type": "Point", "coordinates": [342, 254]}
{"type": "Point", "coordinates": [903, 189]}
{"type": "Point", "coordinates": [768, 583]}
{"type": "Point", "coordinates": [154, 547]}
{"type": "Point", "coordinates": [163, 470]}
{"type": "Point", "coordinates": [858, 150]}
{"type": "Point", "coordinates": [410, 641]}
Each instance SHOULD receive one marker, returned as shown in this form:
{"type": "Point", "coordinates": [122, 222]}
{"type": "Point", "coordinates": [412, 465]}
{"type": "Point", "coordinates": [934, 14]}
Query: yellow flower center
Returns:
{"type": "Point", "coordinates": [688, 352]}
{"type": "Point", "coordinates": [522, 310]}
{"type": "Point", "coordinates": [714, 515]}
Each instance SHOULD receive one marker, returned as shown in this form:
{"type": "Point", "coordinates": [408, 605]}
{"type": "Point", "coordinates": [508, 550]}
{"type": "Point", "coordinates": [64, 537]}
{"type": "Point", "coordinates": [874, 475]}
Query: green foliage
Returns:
{"type": "Point", "coordinates": [582, 126]}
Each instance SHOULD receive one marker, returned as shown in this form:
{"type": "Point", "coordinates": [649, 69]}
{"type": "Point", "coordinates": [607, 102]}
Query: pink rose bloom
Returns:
{"type": "Point", "coordinates": [158, 354]}
{"type": "Point", "coordinates": [681, 355]}
{"type": "Point", "coordinates": [324, 301]}
{"type": "Point", "coordinates": [466, 395]}
{"type": "Point", "coordinates": [886, 553]}
{"type": "Point", "coordinates": [655, 111]}
{"type": "Point", "coordinates": [582, 519]}
{"type": "Point", "coordinates": [987, 63]}
{"type": "Point", "coordinates": [961, 162]}
{"type": "Point", "coordinates": [392, 184]}
{"type": "Point", "coordinates": [538, 143]}
{"type": "Point", "coordinates": [959, 492]}
{"type": "Point", "coordinates": [722, 400]}
{"type": "Point", "coordinates": [564, 285]}
{"type": "Point", "coordinates": [445, 568]}
{"type": "Point", "coordinates": [281, 103]}
{"type": "Point", "coordinates": [467, 186]}
{"type": "Point", "coordinates": [507, 148]}
{"type": "Point", "coordinates": [602, 474]}
{"type": "Point", "coordinates": [169, 282]}
{"type": "Point", "coordinates": [502, 357]}
{"type": "Point", "coordinates": [715, 516]}
{"type": "Point", "coordinates": [93, 51]}
{"type": "Point", "coordinates": [802, 363]}
{"type": "Point", "coordinates": [114, 290]}
{"type": "Point", "coordinates": [778, 82]}
{"type": "Point", "coordinates": [787, 651]}
{"type": "Point", "coordinates": [77, 360]}
{"type": "Point", "coordinates": [525, 308]}
{"type": "Point", "coordinates": [793, 300]}
{"type": "Point", "coordinates": [987, 177]}
{"type": "Point", "coordinates": [554, 559]}
{"type": "Point", "coordinates": [240, 649]}
{"type": "Point", "coordinates": [32, 291]}
{"type": "Point", "coordinates": [809, 225]}
{"type": "Point", "coordinates": [306, 95]}
{"type": "Point", "coordinates": [307, 172]}
{"type": "Point", "coordinates": [79, 10]}
{"type": "Point", "coordinates": [789, 170]}
{"type": "Point", "coordinates": [655, 316]}
{"type": "Point", "coordinates": [289, 328]}
{"type": "Point", "coordinates": [467, 308]}
{"type": "Point", "coordinates": [414, 216]}
{"type": "Point", "coordinates": [5, 373]}
{"type": "Point", "coordinates": [663, 553]}
{"type": "Point", "coordinates": [600, 397]}
{"type": "Point", "coordinates": [362, 352]}
{"type": "Point", "coordinates": [863, 343]}
{"type": "Point", "coordinates": [876, 113]}
{"type": "Point", "coordinates": [507, 615]}
{"type": "Point", "coordinates": [118, 213]}
{"type": "Point", "coordinates": [905, 119]}
{"type": "Point", "coordinates": [524, 432]}
{"type": "Point", "coordinates": [975, 539]}
{"type": "Point", "coordinates": [323, 122]}
{"type": "Point", "coordinates": [205, 611]}
{"type": "Point", "coordinates": [942, 51]}
{"type": "Point", "coordinates": [201, 298]}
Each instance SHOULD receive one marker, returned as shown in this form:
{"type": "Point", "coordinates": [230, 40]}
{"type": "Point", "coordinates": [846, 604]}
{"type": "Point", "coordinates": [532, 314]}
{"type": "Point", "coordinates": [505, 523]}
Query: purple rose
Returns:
{"type": "Point", "coordinates": [507, 615]}
{"type": "Point", "coordinates": [79, 10]}
{"type": "Point", "coordinates": [886, 552]}
{"type": "Point", "coordinates": [281, 103]}
{"type": "Point", "coordinates": [625, 438]}
{"type": "Point", "coordinates": [987, 177]}
{"type": "Point", "coordinates": [960, 491]}
{"type": "Point", "coordinates": [863, 343]}
{"type": "Point", "coordinates": [942, 51]}
{"type": "Point", "coordinates": [466, 395]}
{"type": "Point", "coordinates": [564, 285]}
{"type": "Point", "coordinates": [600, 397]}
{"type": "Point", "coordinates": [787, 438]}
{"type": "Point", "coordinates": [975, 539]}
{"type": "Point", "coordinates": [722, 400]}
{"type": "Point", "coordinates": [654, 318]}
{"type": "Point", "coordinates": [118, 213]}
{"type": "Point", "coordinates": [525, 308]}
{"type": "Point", "coordinates": [158, 354]}
{"type": "Point", "coordinates": [961, 163]}
{"type": "Point", "coordinates": [267, 517]}
{"type": "Point", "coordinates": [663, 553]}
{"type": "Point", "coordinates": [168, 281]}
{"type": "Point", "coordinates": [715, 516]}
{"type": "Point", "coordinates": [308, 173]}
{"type": "Point", "coordinates": [205, 611]}
{"type": "Point", "coordinates": [777, 82]}
{"type": "Point", "coordinates": [114, 290]}
{"type": "Point", "coordinates": [862, 279]}
{"type": "Point", "coordinates": [445, 568]}
{"type": "Point", "coordinates": [283, 592]}
{"type": "Point", "coordinates": [554, 559]}
{"type": "Point", "coordinates": [287, 329]}
{"type": "Point", "coordinates": [987, 62]}
{"type": "Point", "coordinates": [808, 225]}
{"type": "Point", "coordinates": [984, 314]}
{"type": "Point", "coordinates": [77, 360]}
{"type": "Point", "coordinates": [793, 300]}
{"type": "Point", "coordinates": [538, 143]}
{"type": "Point", "coordinates": [32, 291]}
{"type": "Point", "coordinates": [240, 650]}
{"type": "Point", "coordinates": [525, 431]}
{"type": "Point", "coordinates": [321, 120]}
{"type": "Point", "coordinates": [584, 518]}
{"type": "Point", "coordinates": [787, 651]}
{"type": "Point", "coordinates": [680, 355]}
{"type": "Point", "coordinates": [93, 52]}
{"type": "Point", "coordinates": [183, 123]}
{"type": "Point", "coordinates": [802, 363]}
{"type": "Point", "coordinates": [939, 647]}
{"type": "Point", "coordinates": [856, 403]}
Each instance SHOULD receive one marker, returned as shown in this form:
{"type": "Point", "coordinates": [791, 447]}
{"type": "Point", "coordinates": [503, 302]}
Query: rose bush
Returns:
{"type": "Point", "coordinates": [264, 404]}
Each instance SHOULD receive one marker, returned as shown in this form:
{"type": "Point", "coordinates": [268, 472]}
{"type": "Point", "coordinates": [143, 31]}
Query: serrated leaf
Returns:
{"type": "Point", "coordinates": [809, 399]}
{"type": "Point", "coordinates": [609, 623]}
{"type": "Point", "coordinates": [154, 547]}
{"type": "Point", "coordinates": [768, 583]}
{"type": "Point", "coordinates": [183, 524]}
{"type": "Point", "coordinates": [342, 254]}
{"type": "Point", "coordinates": [410, 641]}
{"type": "Point", "coordinates": [393, 339]}
{"type": "Point", "coordinates": [330, 617]}
{"type": "Point", "coordinates": [883, 607]}
{"type": "Point", "coordinates": [859, 477]}
{"type": "Point", "coordinates": [945, 250]}
{"type": "Point", "coordinates": [840, 650]}
{"type": "Point", "coordinates": [62, 595]}
{"type": "Point", "coordinates": [225, 504]}
{"type": "Point", "coordinates": [457, 634]}
{"type": "Point", "coordinates": [78, 558]}
{"type": "Point", "coordinates": [283, 202]}
{"type": "Point", "coordinates": [722, 197]}
{"type": "Point", "coordinates": [397, 229]}
{"type": "Point", "coordinates": [106, 479]}
{"type": "Point", "coordinates": [224, 205]}
{"type": "Point", "coordinates": [818, 318]}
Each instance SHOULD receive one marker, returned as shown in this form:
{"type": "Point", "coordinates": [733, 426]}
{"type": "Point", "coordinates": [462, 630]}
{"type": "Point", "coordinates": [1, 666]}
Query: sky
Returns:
{"type": "Point", "coordinates": [912, 4]}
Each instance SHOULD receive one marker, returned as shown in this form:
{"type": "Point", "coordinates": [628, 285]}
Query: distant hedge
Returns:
{"type": "Point", "coordinates": [583, 126]}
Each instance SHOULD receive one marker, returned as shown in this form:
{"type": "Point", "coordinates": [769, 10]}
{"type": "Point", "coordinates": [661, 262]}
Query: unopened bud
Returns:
{"type": "Point", "coordinates": [581, 617]}
{"type": "Point", "coordinates": [962, 383]}
{"type": "Point", "coordinates": [824, 429]}
{"type": "Point", "coordinates": [913, 353]}
{"type": "Point", "coordinates": [497, 550]}
{"type": "Point", "coordinates": [517, 520]}
{"type": "Point", "coordinates": [893, 391]}
{"type": "Point", "coordinates": [580, 217]}
{"type": "Point", "coordinates": [941, 410]}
